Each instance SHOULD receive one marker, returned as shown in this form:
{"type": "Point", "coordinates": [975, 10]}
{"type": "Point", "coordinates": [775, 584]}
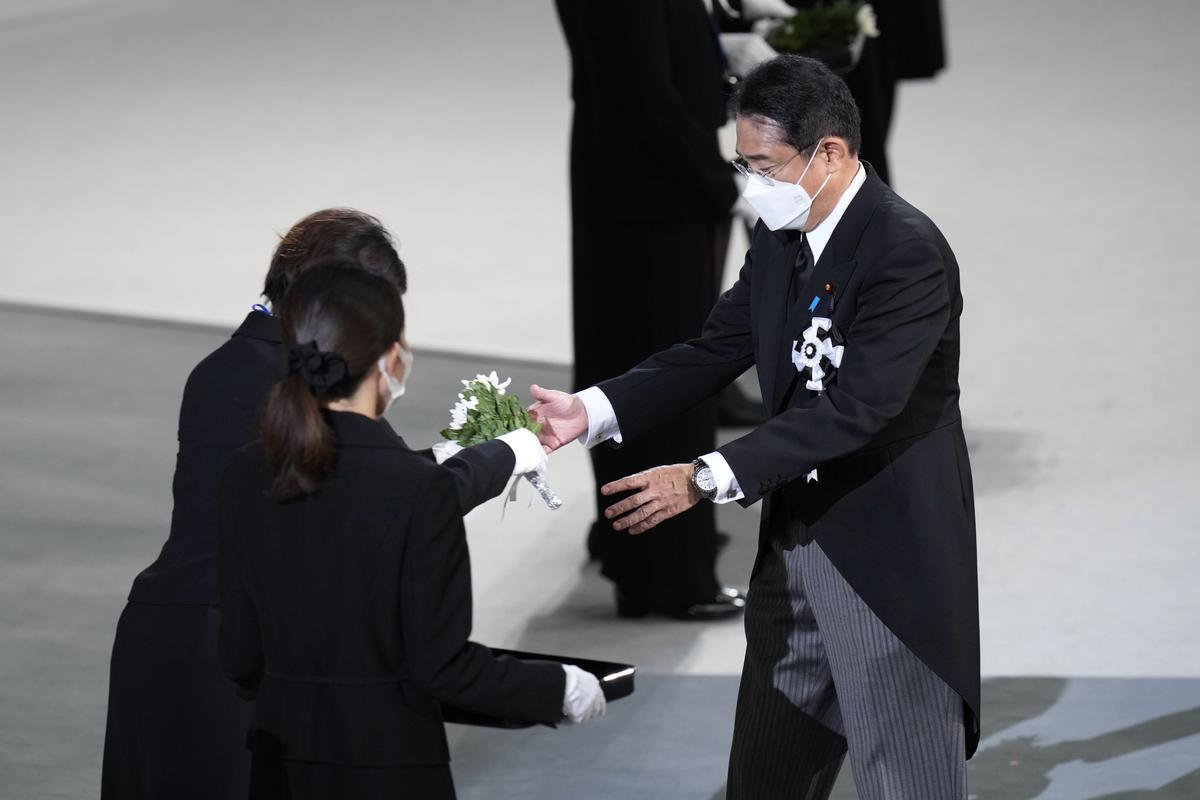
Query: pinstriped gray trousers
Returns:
{"type": "Point", "coordinates": [824, 675]}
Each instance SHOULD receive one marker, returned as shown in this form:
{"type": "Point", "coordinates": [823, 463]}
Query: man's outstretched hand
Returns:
{"type": "Point", "coordinates": [662, 493]}
{"type": "Point", "coordinates": [563, 417]}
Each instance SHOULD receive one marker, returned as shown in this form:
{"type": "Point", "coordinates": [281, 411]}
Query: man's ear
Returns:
{"type": "Point", "coordinates": [834, 153]}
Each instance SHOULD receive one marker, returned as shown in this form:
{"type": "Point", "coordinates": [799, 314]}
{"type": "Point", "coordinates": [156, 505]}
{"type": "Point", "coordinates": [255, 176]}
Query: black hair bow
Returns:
{"type": "Point", "coordinates": [322, 370]}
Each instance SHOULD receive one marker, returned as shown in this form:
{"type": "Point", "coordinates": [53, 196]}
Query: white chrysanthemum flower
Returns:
{"type": "Point", "coordinates": [867, 24]}
{"type": "Point", "coordinates": [458, 414]}
{"type": "Point", "coordinates": [493, 381]}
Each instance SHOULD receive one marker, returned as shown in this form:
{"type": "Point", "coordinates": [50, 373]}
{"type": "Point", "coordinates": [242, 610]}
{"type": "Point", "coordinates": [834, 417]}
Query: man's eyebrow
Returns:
{"type": "Point", "coordinates": [755, 157]}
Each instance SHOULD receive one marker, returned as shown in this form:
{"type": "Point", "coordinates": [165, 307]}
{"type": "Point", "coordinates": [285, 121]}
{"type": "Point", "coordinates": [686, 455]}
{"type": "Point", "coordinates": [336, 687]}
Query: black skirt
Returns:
{"type": "Point", "coordinates": [176, 727]}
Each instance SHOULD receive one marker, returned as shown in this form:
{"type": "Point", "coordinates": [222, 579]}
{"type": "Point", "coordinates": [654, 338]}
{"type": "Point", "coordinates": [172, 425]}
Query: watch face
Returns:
{"type": "Point", "coordinates": [705, 481]}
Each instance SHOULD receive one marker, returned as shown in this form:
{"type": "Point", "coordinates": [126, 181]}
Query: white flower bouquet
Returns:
{"type": "Point", "coordinates": [484, 411]}
{"type": "Point", "coordinates": [833, 31]}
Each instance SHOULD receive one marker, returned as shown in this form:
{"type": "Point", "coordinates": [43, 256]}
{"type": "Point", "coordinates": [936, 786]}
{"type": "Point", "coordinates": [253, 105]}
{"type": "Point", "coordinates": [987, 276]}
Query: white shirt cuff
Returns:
{"type": "Point", "coordinates": [602, 419]}
{"type": "Point", "coordinates": [728, 489]}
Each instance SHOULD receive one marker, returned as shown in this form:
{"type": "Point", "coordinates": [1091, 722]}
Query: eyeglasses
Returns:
{"type": "Point", "coordinates": [747, 171]}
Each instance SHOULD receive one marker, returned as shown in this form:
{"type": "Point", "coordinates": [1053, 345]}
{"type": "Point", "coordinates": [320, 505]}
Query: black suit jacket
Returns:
{"type": "Point", "coordinates": [220, 412]}
{"type": "Point", "coordinates": [347, 612]}
{"type": "Point", "coordinates": [647, 85]}
{"type": "Point", "coordinates": [893, 507]}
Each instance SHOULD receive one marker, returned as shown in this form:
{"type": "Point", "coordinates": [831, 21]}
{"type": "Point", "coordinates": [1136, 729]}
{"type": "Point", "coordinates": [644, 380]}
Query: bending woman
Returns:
{"type": "Point", "coordinates": [345, 581]}
{"type": "Point", "coordinates": [176, 727]}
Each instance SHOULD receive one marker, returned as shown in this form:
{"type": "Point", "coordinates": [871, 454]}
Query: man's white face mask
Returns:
{"type": "Point", "coordinates": [395, 388]}
{"type": "Point", "coordinates": [782, 205]}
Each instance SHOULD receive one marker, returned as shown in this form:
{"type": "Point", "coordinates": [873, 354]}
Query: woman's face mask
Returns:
{"type": "Point", "coordinates": [392, 388]}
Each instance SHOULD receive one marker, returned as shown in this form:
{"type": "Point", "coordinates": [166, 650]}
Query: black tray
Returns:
{"type": "Point", "coordinates": [615, 679]}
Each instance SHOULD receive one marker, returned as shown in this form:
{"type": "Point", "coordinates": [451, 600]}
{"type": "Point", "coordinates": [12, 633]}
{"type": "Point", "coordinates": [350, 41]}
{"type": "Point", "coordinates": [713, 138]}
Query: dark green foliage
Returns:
{"type": "Point", "coordinates": [495, 415]}
{"type": "Point", "coordinates": [820, 29]}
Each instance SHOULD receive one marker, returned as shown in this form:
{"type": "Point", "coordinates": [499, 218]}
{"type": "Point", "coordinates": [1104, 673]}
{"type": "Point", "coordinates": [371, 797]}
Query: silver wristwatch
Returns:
{"type": "Point", "coordinates": [703, 480]}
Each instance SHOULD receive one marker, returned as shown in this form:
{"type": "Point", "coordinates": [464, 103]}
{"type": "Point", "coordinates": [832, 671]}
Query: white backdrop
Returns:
{"type": "Point", "coordinates": [151, 151]}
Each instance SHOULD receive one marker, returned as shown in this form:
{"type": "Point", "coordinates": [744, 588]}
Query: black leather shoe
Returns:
{"type": "Point", "coordinates": [728, 603]}
{"type": "Point", "coordinates": [736, 410]}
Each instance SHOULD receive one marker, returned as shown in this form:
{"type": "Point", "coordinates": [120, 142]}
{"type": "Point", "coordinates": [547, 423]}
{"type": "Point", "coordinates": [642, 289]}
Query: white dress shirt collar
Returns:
{"type": "Point", "coordinates": [819, 236]}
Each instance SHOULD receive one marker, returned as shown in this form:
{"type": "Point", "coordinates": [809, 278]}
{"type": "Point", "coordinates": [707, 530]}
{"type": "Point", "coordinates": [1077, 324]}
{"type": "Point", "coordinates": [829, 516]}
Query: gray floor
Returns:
{"type": "Point", "coordinates": [88, 445]}
{"type": "Point", "coordinates": [1049, 739]}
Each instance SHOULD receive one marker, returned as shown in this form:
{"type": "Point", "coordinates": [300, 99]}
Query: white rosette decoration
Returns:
{"type": "Point", "coordinates": [484, 411]}
{"type": "Point", "coordinates": [819, 354]}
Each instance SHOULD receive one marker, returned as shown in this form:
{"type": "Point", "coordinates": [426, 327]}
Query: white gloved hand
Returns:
{"type": "Point", "coordinates": [446, 449]}
{"type": "Point", "coordinates": [758, 9]}
{"type": "Point", "coordinates": [745, 51]}
{"type": "Point", "coordinates": [583, 698]}
{"type": "Point", "coordinates": [531, 457]}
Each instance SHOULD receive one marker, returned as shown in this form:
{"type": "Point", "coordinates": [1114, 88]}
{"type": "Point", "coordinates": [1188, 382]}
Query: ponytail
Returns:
{"type": "Point", "coordinates": [300, 444]}
{"type": "Point", "coordinates": [337, 320]}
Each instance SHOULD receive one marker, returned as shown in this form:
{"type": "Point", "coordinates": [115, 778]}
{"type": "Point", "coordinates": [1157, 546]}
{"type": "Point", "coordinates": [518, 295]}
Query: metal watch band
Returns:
{"type": "Point", "coordinates": [706, 488]}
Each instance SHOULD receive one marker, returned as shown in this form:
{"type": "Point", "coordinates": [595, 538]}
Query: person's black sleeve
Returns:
{"type": "Point", "coordinates": [676, 379]}
{"type": "Point", "coordinates": [436, 619]}
{"type": "Point", "coordinates": [480, 472]}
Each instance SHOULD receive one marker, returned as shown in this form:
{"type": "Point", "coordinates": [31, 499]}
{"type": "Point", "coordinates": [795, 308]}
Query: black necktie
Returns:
{"type": "Point", "coordinates": [804, 262]}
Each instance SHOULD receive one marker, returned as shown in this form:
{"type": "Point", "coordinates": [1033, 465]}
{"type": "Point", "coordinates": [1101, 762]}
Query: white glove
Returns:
{"type": "Point", "coordinates": [444, 450]}
{"type": "Point", "coordinates": [528, 450]}
{"type": "Point", "coordinates": [757, 9]}
{"type": "Point", "coordinates": [745, 51]}
{"type": "Point", "coordinates": [583, 698]}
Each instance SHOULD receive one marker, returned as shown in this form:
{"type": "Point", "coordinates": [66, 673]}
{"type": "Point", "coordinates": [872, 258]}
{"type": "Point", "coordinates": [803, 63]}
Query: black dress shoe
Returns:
{"type": "Point", "coordinates": [727, 603]}
{"type": "Point", "coordinates": [736, 410]}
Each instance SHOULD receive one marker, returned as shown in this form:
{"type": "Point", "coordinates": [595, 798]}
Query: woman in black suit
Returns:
{"type": "Point", "coordinates": [176, 728]}
{"type": "Point", "coordinates": [345, 581]}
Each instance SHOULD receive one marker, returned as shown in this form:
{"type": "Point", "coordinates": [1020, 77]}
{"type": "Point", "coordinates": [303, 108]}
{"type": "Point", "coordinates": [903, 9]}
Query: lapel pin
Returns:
{"type": "Point", "coordinates": [813, 305]}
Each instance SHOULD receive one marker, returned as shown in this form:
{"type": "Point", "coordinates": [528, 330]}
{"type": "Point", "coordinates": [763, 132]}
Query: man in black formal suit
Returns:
{"type": "Point", "coordinates": [650, 200]}
{"type": "Point", "coordinates": [862, 616]}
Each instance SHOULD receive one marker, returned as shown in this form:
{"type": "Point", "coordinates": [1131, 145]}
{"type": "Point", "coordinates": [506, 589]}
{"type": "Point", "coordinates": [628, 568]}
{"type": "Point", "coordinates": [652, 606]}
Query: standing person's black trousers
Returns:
{"type": "Point", "coordinates": [640, 287]}
{"type": "Point", "coordinates": [648, 189]}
